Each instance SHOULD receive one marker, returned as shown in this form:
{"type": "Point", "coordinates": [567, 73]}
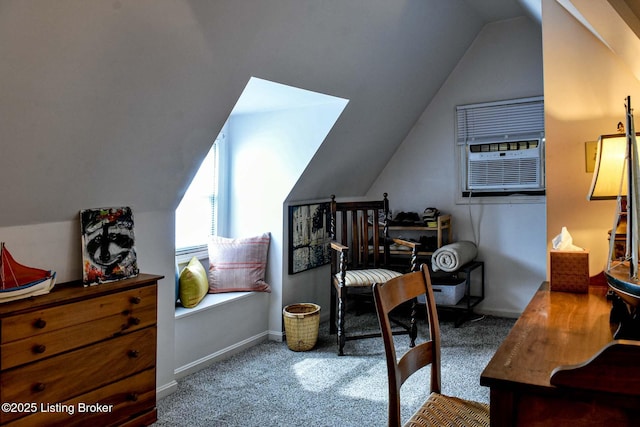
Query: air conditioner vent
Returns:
{"type": "Point", "coordinates": [501, 173]}
{"type": "Point", "coordinates": [504, 166]}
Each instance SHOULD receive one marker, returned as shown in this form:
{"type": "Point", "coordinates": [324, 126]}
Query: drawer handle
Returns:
{"type": "Point", "coordinates": [135, 300]}
{"type": "Point", "coordinates": [40, 323]}
{"type": "Point", "coordinates": [39, 348]}
{"type": "Point", "coordinates": [132, 397]}
{"type": "Point", "coordinates": [134, 320]}
{"type": "Point", "coordinates": [133, 354]}
{"type": "Point", "coordinates": [39, 387]}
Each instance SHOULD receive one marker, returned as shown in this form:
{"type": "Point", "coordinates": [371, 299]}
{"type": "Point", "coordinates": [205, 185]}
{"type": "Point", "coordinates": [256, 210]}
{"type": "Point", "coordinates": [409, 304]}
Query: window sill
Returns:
{"type": "Point", "coordinates": [211, 301]}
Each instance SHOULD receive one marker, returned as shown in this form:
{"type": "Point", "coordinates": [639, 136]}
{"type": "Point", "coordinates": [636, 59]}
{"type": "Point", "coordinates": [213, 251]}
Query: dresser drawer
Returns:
{"type": "Point", "coordinates": [118, 402]}
{"type": "Point", "coordinates": [126, 304]}
{"type": "Point", "coordinates": [59, 378]}
{"type": "Point", "coordinates": [51, 343]}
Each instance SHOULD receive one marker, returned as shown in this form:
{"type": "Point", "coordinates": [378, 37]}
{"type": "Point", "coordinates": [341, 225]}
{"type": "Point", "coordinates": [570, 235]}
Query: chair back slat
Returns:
{"type": "Point", "coordinates": [356, 250]}
{"type": "Point", "coordinates": [375, 229]}
{"type": "Point", "coordinates": [344, 236]}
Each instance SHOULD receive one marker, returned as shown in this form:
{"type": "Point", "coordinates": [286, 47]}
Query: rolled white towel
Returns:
{"type": "Point", "coordinates": [453, 256]}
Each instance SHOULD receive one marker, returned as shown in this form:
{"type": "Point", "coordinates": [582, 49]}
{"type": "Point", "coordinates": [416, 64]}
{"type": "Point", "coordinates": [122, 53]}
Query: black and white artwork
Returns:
{"type": "Point", "coordinates": [108, 250]}
{"type": "Point", "coordinates": [308, 236]}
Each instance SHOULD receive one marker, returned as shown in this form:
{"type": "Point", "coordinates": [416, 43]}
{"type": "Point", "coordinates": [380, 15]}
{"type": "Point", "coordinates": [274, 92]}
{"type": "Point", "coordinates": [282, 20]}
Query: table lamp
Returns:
{"type": "Point", "coordinates": [608, 181]}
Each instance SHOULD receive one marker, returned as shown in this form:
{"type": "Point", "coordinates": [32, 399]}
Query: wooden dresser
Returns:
{"type": "Point", "coordinates": [80, 355]}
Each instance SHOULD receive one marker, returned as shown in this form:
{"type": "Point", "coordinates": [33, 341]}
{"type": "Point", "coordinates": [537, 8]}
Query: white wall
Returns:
{"type": "Point", "coordinates": [268, 153]}
{"type": "Point", "coordinates": [504, 62]}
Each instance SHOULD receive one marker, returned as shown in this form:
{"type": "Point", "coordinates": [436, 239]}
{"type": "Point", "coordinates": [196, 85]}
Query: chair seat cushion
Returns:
{"type": "Point", "coordinates": [441, 410]}
{"type": "Point", "coordinates": [367, 277]}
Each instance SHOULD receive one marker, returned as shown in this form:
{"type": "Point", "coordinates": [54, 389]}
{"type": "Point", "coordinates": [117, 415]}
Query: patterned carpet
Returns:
{"type": "Point", "coordinates": [270, 385]}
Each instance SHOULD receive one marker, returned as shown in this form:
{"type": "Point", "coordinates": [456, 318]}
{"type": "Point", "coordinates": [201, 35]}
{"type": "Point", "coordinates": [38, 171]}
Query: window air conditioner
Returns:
{"type": "Point", "coordinates": [512, 166]}
{"type": "Point", "coordinates": [501, 147]}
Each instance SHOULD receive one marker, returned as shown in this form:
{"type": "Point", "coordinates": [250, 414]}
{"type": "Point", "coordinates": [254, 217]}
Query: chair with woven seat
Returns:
{"type": "Point", "coordinates": [438, 409]}
{"type": "Point", "coordinates": [360, 257]}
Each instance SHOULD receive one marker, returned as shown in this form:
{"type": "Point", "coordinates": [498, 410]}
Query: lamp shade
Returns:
{"type": "Point", "coordinates": [608, 172]}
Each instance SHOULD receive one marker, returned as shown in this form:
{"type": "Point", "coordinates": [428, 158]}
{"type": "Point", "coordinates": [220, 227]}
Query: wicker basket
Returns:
{"type": "Point", "coordinates": [301, 322]}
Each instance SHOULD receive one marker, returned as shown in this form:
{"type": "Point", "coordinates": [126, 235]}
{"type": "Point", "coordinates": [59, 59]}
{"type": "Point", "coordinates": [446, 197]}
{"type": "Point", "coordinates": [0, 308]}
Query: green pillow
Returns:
{"type": "Point", "coordinates": [193, 283]}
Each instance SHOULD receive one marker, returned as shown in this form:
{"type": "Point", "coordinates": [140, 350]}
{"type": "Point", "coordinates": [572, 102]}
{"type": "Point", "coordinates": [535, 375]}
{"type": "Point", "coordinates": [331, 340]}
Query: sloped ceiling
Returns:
{"type": "Point", "coordinates": [115, 102]}
{"type": "Point", "coordinates": [615, 22]}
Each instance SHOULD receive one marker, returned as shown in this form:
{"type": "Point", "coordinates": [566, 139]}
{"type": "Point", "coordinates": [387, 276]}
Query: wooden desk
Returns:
{"type": "Point", "coordinates": [559, 328]}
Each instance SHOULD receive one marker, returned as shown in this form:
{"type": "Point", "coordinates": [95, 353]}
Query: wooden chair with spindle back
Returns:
{"type": "Point", "coordinates": [360, 249]}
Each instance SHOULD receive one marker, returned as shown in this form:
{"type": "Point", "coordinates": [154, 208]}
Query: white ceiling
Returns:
{"type": "Point", "coordinates": [615, 23]}
{"type": "Point", "coordinates": [497, 10]}
{"type": "Point", "coordinates": [262, 95]}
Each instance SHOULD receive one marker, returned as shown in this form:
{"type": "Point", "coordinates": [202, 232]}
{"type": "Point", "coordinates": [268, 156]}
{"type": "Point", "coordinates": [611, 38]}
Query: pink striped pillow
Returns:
{"type": "Point", "coordinates": [238, 264]}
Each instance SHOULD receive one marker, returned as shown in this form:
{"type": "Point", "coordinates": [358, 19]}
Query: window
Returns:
{"type": "Point", "coordinates": [265, 126]}
{"type": "Point", "coordinates": [197, 215]}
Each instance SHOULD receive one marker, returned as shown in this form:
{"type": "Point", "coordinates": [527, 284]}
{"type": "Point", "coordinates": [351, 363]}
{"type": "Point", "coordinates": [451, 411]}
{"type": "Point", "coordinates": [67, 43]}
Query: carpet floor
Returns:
{"type": "Point", "coordinates": [270, 385]}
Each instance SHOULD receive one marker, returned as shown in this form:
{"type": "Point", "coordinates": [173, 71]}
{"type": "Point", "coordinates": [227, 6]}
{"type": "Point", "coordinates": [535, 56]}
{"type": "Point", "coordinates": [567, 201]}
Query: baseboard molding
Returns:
{"type": "Point", "coordinates": [224, 353]}
{"type": "Point", "coordinates": [276, 336]}
{"type": "Point", "coordinates": [166, 389]}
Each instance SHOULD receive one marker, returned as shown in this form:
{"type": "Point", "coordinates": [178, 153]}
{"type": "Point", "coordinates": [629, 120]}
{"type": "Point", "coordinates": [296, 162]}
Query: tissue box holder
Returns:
{"type": "Point", "coordinates": [569, 271]}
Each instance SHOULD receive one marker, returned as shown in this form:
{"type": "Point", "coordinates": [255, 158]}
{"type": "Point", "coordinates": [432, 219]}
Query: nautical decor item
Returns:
{"type": "Point", "coordinates": [18, 281]}
{"type": "Point", "coordinates": [622, 273]}
{"type": "Point", "coordinates": [108, 251]}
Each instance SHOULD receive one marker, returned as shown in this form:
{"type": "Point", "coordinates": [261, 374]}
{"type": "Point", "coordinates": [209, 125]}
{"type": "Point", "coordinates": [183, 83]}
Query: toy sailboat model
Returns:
{"type": "Point", "coordinates": [622, 273]}
{"type": "Point", "coordinates": [18, 281]}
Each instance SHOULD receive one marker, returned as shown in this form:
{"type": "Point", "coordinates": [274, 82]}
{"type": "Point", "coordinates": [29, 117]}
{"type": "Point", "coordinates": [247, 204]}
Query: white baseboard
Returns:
{"type": "Point", "coordinates": [166, 389]}
{"type": "Point", "coordinates": [276, 336]}
{"type": "Point", "coordinates": [224, 353]}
